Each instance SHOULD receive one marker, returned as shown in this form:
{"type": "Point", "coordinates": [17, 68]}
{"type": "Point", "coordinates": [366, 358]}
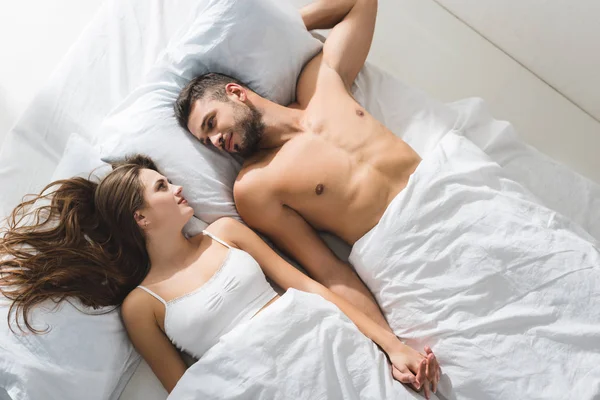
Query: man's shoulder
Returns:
{"type": "Point", "coordinates": [256, 195]}
{"type": "Point", "coordinates": [255, 181]}
{"type": "Point", "coordinates": [267, 169]}
{"type": "Point", "coordinates": [254, 171]}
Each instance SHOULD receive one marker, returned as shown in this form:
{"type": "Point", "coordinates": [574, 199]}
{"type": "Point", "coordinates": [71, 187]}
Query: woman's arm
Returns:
{"type": "Point", "coordinates": [407, 362]}
{"type": "Point", "coordinates": [150, 341]}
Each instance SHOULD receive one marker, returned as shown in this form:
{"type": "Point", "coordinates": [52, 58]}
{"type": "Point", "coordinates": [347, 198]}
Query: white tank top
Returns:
{"type": "Point", "coordinates": [195, 321]}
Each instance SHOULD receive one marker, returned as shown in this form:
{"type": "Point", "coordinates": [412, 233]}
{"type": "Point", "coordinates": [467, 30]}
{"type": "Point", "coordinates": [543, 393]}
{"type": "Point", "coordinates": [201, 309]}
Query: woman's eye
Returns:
{"type": "Point", "coordinates": [211, 123]}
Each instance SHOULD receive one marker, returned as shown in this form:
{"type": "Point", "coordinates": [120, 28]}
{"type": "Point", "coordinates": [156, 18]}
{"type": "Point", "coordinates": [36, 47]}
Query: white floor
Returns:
{"type": "Point", "coordinates": [454, 62]}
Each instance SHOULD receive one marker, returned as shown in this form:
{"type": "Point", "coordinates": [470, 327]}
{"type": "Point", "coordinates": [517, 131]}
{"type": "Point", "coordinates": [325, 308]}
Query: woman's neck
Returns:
{"type": "Point", "coordinates": [170, 252]}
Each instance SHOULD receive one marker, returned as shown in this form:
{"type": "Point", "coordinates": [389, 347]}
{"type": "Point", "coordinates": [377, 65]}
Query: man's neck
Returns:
{"type": "Point", "coordinates": [281, 123]}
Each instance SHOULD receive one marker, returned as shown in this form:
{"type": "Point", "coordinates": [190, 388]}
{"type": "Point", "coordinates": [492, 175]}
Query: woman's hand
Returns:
{"type": "Point", "coordinates": [411, 367]}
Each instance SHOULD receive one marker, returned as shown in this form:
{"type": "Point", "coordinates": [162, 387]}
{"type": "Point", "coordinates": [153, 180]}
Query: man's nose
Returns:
{"type": "Point", "coordinates": [217, 139]}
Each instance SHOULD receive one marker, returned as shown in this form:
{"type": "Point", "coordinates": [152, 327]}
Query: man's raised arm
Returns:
{"type": "Point", "coordinates": [348, 44]}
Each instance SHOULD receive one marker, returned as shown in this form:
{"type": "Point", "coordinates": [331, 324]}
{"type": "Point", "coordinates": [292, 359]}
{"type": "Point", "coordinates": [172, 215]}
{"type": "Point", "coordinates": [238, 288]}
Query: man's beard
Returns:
{"type": "Point", "coordinates": [249, 123]}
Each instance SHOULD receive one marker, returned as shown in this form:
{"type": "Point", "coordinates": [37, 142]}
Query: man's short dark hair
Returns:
{"type": "Point", "coordinates": [211, 84]}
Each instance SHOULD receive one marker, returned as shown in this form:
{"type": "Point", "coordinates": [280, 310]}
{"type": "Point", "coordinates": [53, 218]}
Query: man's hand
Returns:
{"type": "Point", "coordinates": [415, 369]}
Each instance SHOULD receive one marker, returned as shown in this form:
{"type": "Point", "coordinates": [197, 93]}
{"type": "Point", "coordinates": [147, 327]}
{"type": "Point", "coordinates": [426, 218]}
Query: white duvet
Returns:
{"type": "Point", "coordinates": [504, 290]}
{"type": "Point", "coordinates": [300, 347]}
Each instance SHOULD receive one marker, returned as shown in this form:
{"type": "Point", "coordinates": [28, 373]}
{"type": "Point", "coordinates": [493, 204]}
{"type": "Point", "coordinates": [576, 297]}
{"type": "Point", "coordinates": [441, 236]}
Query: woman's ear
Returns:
{"type": "Point", "coordinates": [140, 219]}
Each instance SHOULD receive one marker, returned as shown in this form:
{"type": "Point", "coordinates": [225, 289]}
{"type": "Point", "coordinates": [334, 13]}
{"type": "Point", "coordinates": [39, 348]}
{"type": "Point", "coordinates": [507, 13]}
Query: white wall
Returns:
{"type": "Point", "coordinates": [558, 40]}
{"type": "Point", "coordinates": [34, 36]}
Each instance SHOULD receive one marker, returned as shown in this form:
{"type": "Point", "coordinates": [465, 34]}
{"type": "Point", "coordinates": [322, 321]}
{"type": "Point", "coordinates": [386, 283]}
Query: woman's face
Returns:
{"type": "Point", "coordinates": [165, 205]}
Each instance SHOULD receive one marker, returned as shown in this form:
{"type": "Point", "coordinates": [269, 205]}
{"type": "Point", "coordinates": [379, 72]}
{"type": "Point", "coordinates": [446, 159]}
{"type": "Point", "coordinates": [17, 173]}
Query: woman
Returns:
{"type": "Point", "coordinates": [120, 242]}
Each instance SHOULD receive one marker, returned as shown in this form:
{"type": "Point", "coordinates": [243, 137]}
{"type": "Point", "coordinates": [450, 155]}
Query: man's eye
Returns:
{"type": "Point", "coordinates": [211, 123]}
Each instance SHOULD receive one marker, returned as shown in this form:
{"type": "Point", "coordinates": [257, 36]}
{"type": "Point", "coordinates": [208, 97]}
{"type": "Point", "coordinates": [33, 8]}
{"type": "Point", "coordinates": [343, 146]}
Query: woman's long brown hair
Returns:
{"type": "Point", "coordinates": [76, 239]}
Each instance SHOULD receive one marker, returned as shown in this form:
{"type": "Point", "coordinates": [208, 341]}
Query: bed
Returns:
{"type": "Point", "coordinates": [123, 42]}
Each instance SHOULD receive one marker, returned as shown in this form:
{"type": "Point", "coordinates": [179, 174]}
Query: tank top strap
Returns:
{"type": "Point", "coordinates": [207, 233]}
{"type": "Point", "coordinates": [153, 294]}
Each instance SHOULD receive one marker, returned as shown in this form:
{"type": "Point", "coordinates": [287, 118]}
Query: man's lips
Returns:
{"type": "Point", "coordinates": [229, 142]}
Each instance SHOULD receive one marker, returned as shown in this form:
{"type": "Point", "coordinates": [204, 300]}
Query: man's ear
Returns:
{"type": "Point", "coordinates": [237, 91]}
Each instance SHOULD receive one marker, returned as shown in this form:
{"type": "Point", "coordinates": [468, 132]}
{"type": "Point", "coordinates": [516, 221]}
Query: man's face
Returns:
{"type": "Point", "coordinates": [232, 126]}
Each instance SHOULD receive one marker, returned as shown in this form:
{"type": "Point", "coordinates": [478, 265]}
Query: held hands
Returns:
{"type": "Point", "coordinates": [413, 368]}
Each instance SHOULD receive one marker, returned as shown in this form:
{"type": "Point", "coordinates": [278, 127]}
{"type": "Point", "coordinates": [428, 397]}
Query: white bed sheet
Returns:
{"type": "Point", "coordinates": [115, 51]}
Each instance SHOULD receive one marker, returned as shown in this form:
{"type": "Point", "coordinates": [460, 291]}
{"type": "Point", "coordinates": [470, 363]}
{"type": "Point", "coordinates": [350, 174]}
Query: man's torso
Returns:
{"type": "Point", "coordinates": [343, 171]}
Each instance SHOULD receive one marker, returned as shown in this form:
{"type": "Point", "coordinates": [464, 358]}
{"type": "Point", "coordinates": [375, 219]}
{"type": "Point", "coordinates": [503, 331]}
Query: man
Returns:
{"type": "Point", "coordinates": [321, 163]}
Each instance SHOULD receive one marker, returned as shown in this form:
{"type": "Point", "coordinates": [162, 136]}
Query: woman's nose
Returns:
{"type": "Point", "coordinates": [178, 190]}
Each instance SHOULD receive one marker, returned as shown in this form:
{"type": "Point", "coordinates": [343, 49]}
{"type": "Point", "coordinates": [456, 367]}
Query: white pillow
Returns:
{"type": "Point", "coordinates": [83, 356]}
{"type": "Point", "coordinates": [263, 43]}
{"type": "Point", "coordinates": [81, 159]}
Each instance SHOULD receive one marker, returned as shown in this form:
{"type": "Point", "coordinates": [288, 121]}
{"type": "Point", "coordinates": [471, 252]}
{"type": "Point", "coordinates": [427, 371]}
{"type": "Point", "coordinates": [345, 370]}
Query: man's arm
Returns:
{"type": "Point", "coordinates": [406, 362]}
{"type": "Point", "coordinates": [348, 44]}
{"type": "Point", "coordinates": [325, 14]}
{"type": "Point", "coordinates": [291, 233]}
